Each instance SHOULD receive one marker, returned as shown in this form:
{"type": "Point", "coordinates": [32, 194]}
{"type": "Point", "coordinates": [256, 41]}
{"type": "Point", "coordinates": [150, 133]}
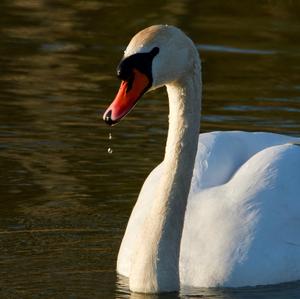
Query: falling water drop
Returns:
{"type": "Point", "coordinates": [109, 149]}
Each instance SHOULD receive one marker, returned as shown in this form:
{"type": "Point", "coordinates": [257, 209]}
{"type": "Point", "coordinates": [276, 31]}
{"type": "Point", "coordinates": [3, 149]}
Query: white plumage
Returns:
{"type": "Point", "coordinates": [222, 209]}
{"type": "Point", "coordinates": [242, 222]}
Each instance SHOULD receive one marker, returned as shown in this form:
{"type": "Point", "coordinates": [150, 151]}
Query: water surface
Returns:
{"type": "Point", "coordinates": [64, 200]}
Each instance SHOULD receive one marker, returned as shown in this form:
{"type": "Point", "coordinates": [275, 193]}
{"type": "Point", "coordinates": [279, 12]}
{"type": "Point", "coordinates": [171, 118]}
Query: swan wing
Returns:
{"type": "Point", "coordinates": [246, 231]}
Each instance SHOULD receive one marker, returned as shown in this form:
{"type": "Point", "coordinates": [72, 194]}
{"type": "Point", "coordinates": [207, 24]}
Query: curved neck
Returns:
{"type": "Point", "coordinates": [156, 264]}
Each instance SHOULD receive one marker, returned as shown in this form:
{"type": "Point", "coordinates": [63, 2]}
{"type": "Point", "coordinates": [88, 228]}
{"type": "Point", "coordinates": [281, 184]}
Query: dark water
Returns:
{"type": "Point", "coordinates": [64, 201]}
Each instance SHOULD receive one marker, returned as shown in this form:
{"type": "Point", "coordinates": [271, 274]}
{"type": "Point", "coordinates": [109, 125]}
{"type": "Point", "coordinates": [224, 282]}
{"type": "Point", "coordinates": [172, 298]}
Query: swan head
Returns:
{"type": "Point", "coordinates": [156, 56]}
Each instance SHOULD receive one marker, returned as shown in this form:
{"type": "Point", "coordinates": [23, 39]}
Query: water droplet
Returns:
{"type": "Point", "coordinates": [109, 136]}
{"type": "Point", "coordinates": [110, 150]}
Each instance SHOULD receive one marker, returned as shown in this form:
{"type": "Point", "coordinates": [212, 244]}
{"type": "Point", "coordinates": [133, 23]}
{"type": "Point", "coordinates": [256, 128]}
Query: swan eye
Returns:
{"type": "Point", "coordinates": [139, 61]}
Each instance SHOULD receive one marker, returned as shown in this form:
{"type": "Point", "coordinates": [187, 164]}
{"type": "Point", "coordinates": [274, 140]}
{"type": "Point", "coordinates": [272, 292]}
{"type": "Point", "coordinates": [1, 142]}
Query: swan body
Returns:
{"type": "Point", "coordinates": [223, 208]}
{"type": "Point", "coordinates": [241, 223]}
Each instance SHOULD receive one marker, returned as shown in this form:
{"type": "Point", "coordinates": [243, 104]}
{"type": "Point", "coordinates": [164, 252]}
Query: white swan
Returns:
{"type": "Point", "coordinates": [223, 208]}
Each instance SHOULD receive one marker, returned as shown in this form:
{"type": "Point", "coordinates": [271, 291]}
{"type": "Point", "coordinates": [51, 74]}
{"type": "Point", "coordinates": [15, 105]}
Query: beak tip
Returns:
{"type": "Point", "coordinates": [107, 118]}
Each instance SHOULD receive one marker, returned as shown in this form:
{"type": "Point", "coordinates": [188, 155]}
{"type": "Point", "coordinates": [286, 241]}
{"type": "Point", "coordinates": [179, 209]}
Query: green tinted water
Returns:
{"type": "Point", "coordinates": [64, 200]}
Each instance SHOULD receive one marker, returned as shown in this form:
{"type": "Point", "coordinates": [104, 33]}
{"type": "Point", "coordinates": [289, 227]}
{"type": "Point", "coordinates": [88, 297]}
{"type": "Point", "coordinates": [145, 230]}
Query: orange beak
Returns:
{"type": "Point", "coordinates": [128, 95]}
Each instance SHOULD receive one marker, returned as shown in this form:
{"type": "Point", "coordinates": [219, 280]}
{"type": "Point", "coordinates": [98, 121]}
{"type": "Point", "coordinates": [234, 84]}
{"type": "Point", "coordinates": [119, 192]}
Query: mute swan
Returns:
{"type": "Point", "coordinates": [223, 208]}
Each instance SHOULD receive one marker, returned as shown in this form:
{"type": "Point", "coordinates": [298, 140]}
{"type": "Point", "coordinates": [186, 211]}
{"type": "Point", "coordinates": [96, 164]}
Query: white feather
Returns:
{"type": "Point", "coordinates": [242, 210]}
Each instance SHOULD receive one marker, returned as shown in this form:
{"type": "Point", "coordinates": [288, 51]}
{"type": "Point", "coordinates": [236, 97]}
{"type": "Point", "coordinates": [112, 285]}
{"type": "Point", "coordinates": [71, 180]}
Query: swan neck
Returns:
{"type": "Point", "coordinates": [156, 264]}
{"type": "Point", "coordinates": [184, 124]}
